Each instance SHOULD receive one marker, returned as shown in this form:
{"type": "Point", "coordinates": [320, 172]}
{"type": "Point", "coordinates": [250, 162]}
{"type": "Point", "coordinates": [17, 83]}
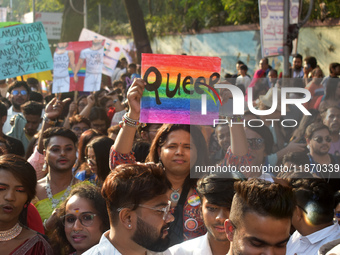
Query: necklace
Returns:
{"type": "Point", "coordinates": [174, 197]}
{"type": "Point", "coordinates": [54, 201]}
{"type": "Point", "coordinates": [11, 233]}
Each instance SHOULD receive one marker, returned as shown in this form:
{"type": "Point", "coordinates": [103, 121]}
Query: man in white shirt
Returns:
{"type": "Point", "coordinates": [216, 196]}
{"type": "Point", "coordinates": [19, 92]}
{"type": "Point", "coordinates": [138, 209]}
{"type": "Point", "coordinates": [312, 218]}
{"type": "Point", "coordinates": [260, 218]}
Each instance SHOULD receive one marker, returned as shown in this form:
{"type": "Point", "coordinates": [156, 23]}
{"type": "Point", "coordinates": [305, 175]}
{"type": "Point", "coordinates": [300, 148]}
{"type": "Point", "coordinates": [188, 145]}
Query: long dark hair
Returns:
{"type": "Point", "coordinates": [101, 147]}
{"type": "Point", "coordinates": [25, 174]}
{"type": "Point", "coordinates": [196, 135]}
{"type": "Point", "coordinates": [84, 139]}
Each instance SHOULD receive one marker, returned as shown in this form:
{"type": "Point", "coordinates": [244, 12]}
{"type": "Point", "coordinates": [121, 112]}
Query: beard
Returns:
{"type": "Point", "coordinates": [320, 152]}
{"type": "Point", "coordinates": [16, 105]}
{"type": "Point", "coordinates": [146, 236]}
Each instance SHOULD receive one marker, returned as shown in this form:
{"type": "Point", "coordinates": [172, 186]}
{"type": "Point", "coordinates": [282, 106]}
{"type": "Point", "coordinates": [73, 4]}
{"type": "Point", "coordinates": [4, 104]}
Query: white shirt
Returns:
{"type": "Point", "coordinates": [105, 247]}
{"type": "Point", "coordinates": [94, 60]}
{"type": "Point", "coordinates": [197, 246]}
{"type": "Point", "coordinates": [309, 245]}
{"type": "Point", "coordinates": [117, 117]}
{"type": "Point", "coordinates": [60, 64]}
{"type": "Point", "coordinates": [243, 80]}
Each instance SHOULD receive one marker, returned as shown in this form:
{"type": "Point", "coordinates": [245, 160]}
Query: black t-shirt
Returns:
{"type": "Point", "coordinates": [14, 146]}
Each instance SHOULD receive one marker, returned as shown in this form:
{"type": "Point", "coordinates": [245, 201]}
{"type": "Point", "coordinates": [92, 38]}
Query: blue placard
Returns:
{"type": "Point", "coordinates": [23, 50]}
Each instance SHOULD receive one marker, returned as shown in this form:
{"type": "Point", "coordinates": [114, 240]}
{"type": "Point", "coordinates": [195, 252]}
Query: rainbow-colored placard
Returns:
{"type": "Point", "coordinates": [75, 48]}
{"type": "Point", "coordinates": [175, 87]}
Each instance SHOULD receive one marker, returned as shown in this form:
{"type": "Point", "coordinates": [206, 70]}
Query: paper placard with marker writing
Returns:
{"type": "Point", "coordinates": [180, 89]}
{"type": "Point", "coordinates": [24, 49]}
{"type": "Point", "coordinates": [78, 66]}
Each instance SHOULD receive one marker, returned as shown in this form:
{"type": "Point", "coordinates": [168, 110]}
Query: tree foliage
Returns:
{"type": "Point", "coordinates": [170, 16]}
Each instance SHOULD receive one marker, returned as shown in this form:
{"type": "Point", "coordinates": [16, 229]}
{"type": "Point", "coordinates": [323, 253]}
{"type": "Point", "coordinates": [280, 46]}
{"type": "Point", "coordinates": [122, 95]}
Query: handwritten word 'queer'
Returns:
{"type": "Point", "coordinates": [187, 81]}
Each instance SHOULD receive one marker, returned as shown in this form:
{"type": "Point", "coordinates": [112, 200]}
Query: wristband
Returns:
{"type": "Point", "coordinates": [129, 122]}
{"type": "Point", "coordinates": [50, 122]}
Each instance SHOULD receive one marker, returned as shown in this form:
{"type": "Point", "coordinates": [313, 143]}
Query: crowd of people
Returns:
{"type": "Point", "coordinates": [81, 174]}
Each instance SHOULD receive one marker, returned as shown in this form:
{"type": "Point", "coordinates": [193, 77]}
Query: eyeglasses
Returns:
{"type": "Point", "coordinates": [85, 218]}
{"type": "Point", "coordinates": [165, 210]}
{"type": "Point", "coordinates": [16, 92]}
{"type": "Point", "coordinates": [78, 129]}
{"type": "Point", "coordinates": [255, 143]}
{"type": "Point", "coordinates": [319, 139]}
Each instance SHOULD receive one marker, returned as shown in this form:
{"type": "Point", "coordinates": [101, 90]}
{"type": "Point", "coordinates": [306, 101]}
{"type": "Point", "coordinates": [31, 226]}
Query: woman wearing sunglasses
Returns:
{"type": "Point", "coordinates": [82, 219]}
{"type": "Point", "coordinates": [17, 189]}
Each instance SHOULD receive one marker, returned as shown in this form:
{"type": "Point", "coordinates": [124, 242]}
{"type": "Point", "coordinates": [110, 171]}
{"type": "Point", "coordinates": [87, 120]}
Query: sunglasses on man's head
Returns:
{"type": "Point", "coordinates": [255, 143]}
{"type": "Point", "coordinates": [319, 139]}
{"type": "Point", "coordinates": [16, 92]}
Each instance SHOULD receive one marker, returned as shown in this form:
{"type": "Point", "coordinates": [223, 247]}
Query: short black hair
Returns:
{"type": "Point", "coordinates": [218, 191]}
{"type": "Point", "coordinates": [312, 128]}
{"type": "Point", "coordinates": [18, 84]}
{"type": "Point", "coordinates": [32, 108]}
{"type": "Point", "coordinates": [298, 56]}
{"type": "Point", "coordinates": [311, 61]}
{"type": "Point", "coordinates": [316, 198]}
{"type": "Point", "coordinates": [98, 113]}
{"type": "Point", "coordinates": [333, 66]}
{"type": "Point", "coordinates": [32, 81]}
{"type": "Point", "coordinates": [58, 131]}
{"type": "Point", "coordinates": [133, 65]}
{"type": "Point", "coordinates": [36, 96]}
{"type": "Point", "coordinates": [263, 198]}
{"type": "Point", "coordinates": [244, 67]}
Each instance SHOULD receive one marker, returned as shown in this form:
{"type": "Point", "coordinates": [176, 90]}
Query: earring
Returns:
{"type": "Point", "coordinates": [129, 226]}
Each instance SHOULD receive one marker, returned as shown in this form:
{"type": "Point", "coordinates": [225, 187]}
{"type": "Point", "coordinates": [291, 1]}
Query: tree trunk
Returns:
{"type": "Point", "coordinates": [72, 22]}
{"type": "Point", "coordinates": [140, 36]}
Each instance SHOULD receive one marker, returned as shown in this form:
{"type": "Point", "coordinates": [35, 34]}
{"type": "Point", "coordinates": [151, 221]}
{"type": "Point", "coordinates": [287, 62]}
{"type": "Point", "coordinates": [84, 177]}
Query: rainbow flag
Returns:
{"type": "Point", "coordinates": [176, 84]}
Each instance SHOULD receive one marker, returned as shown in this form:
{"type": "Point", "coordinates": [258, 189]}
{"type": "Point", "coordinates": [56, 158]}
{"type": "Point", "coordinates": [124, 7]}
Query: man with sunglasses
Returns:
{"type": "Point", "coordinates": [313, 217]}
{"type": "Point", "coordinates": [321, 162]}
{"type": "Point", "coordinates": [138, 209]}
{"type": "Point", "coordinates": [18, 95]}
{"type": "Point", "coordinates": [26, 125]}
